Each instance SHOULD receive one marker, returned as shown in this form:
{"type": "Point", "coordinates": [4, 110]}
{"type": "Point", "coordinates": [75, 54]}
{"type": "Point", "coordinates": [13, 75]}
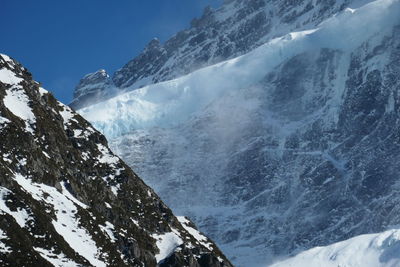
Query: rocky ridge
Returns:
{"type": "Point", "coordinates": [66, 199]}
{"type": "Point", "coordinates": [234, 29]}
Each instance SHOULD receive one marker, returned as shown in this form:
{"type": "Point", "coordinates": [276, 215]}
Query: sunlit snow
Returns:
{"type": "Point", "coordinates": [7, 76]}
{"type": "Point", "coordinates": [66, 223]}
{"type": "Point", "coordinates": [18, 103]}
{"type": "Point", "coordinates": [372, 250]}
{"type": "Point", "coordinates": [21, 216]}
{"type": "Point", "coordinates": [195, 233]}
{"type": "Point", "coordinates": [57, 259]}
{"type": "Point", "coordinates": [166, 243]}
{"type": "Point", "coordinates": [169, 103]}
{"type": "Point", "coordinates": [4, 249]}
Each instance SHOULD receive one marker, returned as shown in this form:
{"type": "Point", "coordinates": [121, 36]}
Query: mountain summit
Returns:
{"type": "Point", "coordinates": [67, 200]}
{"type": "Point", "coordinates": [234, 29]}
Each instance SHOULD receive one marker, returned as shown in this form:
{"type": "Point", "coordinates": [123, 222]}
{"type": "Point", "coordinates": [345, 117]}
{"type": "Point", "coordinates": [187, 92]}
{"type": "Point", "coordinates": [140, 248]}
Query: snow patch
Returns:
{"type": "Point", "coordinates": [85, 155]}
{"type": "Point", "coordinates": [372, 250]}
{"type": "Point", "coordinates": [109, 229]}
{"type": "Point", "coordinates": [21, 216]}
{"type": "Point", "coordinates": [6, 158]}
{"type": "Point", "coordinates": [106, 157]}
{"type": "Point", "coordinates": [77, 133]}
{"type": "Point", "coordinates": [6, 58]}
{"type": "Point", "coordinates": [71, 197]}
{"type": "Point", "coordinates": [43, 91]}
{"type": "Point", "coordinates": [7, 76]}
{"type": "Point", "coordinates": [166, 243]}
{"type": "Point", "coordinates": [135, 222]}
{"type": "Point", "coordinates": [17, 102]}
{"type": "Point", "coordinates": [67, 114]}
{"type": "Point", "coordinates": [66, 223]}
{"type": "Point", "coordinates": [203, 240]}
{"type": "Point", "coordinates": [3, 121]}
{"type": "Point", "coordinates": [114, 189]}
{"type": "Point", "coordinates": [57, 259]}
{"type": "Point", "coordinates": [46, 155]}
{"type": "Point", "coordinates": [4, 249]}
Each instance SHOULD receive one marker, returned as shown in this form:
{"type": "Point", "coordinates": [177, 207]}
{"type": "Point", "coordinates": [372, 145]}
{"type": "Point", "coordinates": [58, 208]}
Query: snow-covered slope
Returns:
{"type": "Point", "coordinates": [372, 250]}
{"type": "Point", "coordinates": [172, 102]}
{"type": "Point", "coordinates": [67, 200]}
{"type": "Point", "coordinates": [290, 146]}
{"type": "Point", "coordinates": [235, 28]}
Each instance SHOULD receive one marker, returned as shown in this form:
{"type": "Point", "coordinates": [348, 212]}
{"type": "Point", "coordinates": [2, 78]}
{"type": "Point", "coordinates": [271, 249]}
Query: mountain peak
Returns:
{"type": "Point", "coordinates": [66, 199]}
{"type": "Point", "coordinates": [11, 71]}
{"type": "Point", "coordinates": [231, 30]}
{"type": "Point", "coordinates": [98, 77]}
{"type": "Point", "coordinates": [92, 88]}
{"type": "Point", "coordinates": [154, 43]}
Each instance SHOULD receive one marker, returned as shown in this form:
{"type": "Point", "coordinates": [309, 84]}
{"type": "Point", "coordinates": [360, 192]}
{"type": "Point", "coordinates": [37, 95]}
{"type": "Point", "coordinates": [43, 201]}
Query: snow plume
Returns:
{"type": "Point", "coordinates": [169, 103]}
{"type": "Point", "coordinates": [229, 94]}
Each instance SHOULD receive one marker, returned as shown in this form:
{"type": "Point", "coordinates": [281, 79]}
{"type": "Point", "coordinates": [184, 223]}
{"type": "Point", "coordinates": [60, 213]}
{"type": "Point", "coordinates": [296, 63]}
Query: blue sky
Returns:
{"type": "Point", "coordinates": [59, 41]}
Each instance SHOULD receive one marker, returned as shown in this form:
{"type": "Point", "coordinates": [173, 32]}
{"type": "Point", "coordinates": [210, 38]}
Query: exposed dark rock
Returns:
{"type": "Point", "coordinates": [64, 194]}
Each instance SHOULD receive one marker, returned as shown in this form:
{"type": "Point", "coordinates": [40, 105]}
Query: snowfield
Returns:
{"type": "Point", "coordinates": [372, 250]}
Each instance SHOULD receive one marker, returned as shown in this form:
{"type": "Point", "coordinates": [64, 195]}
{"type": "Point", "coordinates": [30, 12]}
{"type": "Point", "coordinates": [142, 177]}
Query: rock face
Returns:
{"type": "Point", "coordinates": [93, 88]}
{"type": "Point", "coordinates": [291, 146]}
{"type": "Point", "coordinates": [66, 200]}
{"type": "Point", "coordinates": [229, 31]}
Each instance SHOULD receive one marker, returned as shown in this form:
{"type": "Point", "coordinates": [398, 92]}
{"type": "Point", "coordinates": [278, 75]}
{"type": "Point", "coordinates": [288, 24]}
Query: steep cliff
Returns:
{"type": "Point", "coordinates": [67, 200]}
{"type": "Point", "coordinates": [234, 29]}
{"type": "Point", "coordinates": [290, 146]}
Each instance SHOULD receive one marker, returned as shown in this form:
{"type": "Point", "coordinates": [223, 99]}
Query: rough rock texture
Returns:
{"type": "Point", "coordinates": [306, 156]}
{"type": "Point", "coordinates": [93, 88]}
{"type": "Point", "coordinates": [314, 160]}
{"type": "Point", "coordinates": [65, 199]}
{"type": "Point", "coordinates": [229, 31]}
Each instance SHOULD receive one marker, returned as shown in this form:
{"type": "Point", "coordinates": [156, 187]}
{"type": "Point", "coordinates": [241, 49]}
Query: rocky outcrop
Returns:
{"type": "Point", "coordinates": [93, 88]}
{"type": "Point", "coordinates": [66, 199]}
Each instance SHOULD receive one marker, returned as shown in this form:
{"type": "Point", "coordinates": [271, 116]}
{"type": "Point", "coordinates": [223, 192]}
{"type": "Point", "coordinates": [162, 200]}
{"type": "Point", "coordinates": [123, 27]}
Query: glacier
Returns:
{"type": "Point", "coordinates": [169, 103]}
{"type": "Point", "coordinates": [290, 146]}
{"type": "Point", "coordinates": [233, 29]}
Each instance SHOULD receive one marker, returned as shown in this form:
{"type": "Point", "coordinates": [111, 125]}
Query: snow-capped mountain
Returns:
{"type": "Point", "coordinates": [290, 146]}
{"type": "Point", "coordinates": [67, 200]}
{"type": "Point", "coordinates": [93, 88]}
{"type": "Point", "coordinates": [235, 28]}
